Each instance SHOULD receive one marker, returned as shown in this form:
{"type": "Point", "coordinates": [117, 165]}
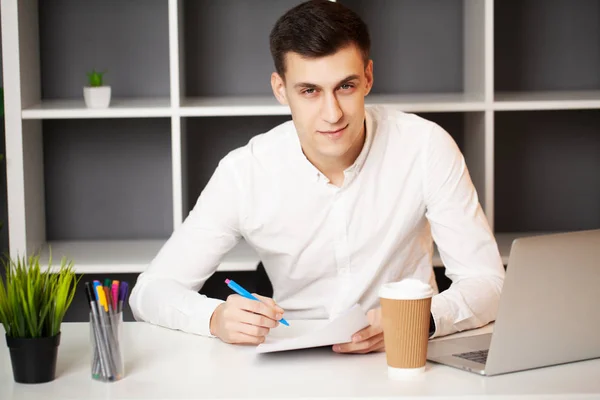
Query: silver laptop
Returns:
{"type": "Point", "coordinates": [549, 310]}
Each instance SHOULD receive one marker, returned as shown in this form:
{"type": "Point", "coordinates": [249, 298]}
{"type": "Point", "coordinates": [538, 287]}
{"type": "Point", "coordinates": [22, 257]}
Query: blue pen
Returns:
{"type": "Point", "coordinates": [244, 293]}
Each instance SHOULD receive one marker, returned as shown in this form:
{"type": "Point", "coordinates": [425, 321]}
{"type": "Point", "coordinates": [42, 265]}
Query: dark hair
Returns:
{"type": "Point", "coordinates": [317, 28]}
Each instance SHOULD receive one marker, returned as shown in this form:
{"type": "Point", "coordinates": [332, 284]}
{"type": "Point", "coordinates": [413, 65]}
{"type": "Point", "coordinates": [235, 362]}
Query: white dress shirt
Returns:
{"type": "Point", "coordinates": [326, 248]}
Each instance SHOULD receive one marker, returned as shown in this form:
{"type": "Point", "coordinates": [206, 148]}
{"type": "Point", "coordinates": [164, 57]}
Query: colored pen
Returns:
{"type": "Point", "coordinates": [102, 351]}
{"type": "Point", "coordinates": [123, 291]}
{"type": "Point", "coordinates": [244, 293]}
{"type": "Point", "coordinates": [115, 295]}
{"type": "Point", "coordinates": [106, 330]}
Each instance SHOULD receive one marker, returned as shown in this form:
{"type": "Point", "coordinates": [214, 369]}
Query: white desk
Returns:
{"type": "Point", "coordinates": [165, 364]}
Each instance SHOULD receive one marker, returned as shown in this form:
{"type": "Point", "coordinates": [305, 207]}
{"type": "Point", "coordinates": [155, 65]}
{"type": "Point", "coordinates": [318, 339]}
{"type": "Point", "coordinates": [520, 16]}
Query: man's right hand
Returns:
{"type": "Point", "coordinates": [244, 321]}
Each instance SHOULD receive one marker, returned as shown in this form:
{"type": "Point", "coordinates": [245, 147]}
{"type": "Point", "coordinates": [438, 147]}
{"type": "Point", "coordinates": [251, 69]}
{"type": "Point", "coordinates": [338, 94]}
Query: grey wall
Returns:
{"type": "Point", "coordinates": [129, 39]}
{"type": "Point", "coordinates": [227, 46]}
{"type": "Point", "coordinates": [547, 170]}
{"type": "Point", "coordinates": [108, 178]}
{"type": "Point", "coordinates": [414, 49]}
{"type": "Point", "coordinates": [547, 45]}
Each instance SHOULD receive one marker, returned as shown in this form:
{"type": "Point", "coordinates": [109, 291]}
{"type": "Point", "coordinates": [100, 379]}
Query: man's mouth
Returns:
{"type": "Point", "coordinates": [334, 133]}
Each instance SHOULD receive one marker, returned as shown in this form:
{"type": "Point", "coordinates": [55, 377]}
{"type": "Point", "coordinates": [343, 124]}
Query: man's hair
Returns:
{"type": "Point", "coordinates": [317, 28]}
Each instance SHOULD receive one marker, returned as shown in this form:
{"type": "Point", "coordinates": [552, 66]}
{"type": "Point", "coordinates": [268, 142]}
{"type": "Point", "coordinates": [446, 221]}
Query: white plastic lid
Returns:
{"type": "Point", "coordinates": [406, 289]}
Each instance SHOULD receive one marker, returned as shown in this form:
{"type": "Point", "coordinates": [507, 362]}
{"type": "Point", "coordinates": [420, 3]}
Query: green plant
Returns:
{"type": "Point", "coordinates": [95, 78]}
{"type": "Point", "coordinates": [33, 302]}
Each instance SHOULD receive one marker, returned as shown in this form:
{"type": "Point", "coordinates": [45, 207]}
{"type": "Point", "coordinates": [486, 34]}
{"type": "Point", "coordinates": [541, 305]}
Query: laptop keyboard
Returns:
{"type": "Point", "coordinates": [479, 356]}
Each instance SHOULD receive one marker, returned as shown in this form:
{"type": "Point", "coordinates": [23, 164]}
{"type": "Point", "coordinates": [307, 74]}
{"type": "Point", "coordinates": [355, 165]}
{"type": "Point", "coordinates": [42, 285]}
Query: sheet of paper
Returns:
{"type": "Point", "coordinates": [306, 334]}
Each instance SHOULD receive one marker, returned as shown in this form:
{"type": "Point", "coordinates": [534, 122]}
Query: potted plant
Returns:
{"type": "Point", "coordinates": [32, 306]}
{"type": "Point", "coordinates": [96, 94]}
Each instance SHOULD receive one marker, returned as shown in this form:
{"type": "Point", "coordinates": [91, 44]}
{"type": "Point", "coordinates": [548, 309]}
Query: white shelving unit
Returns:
{"type": "Point", "coordinates": [475, 108]}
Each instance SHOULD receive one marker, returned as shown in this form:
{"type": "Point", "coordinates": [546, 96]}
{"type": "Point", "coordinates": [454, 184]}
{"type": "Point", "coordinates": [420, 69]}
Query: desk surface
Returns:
{"type": "Point", "coordinates": [166, 364]}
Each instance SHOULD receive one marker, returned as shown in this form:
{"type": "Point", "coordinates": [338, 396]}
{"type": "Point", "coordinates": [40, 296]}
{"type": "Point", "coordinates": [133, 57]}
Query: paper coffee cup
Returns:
{"type": "Point", "coordinates": [405, 308]}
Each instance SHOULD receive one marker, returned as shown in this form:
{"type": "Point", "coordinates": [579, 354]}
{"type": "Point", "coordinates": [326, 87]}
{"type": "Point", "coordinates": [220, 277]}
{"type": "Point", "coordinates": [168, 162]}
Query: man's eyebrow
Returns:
{"type": "Point", "coordinates": [313, 86]}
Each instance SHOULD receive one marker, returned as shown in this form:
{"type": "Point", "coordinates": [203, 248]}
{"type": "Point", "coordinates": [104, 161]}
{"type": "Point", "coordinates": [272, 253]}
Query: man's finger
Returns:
{"type": "Point", "coordinates": [379, 346]}
{"type": "Point", "coordinates": [360, 346]}
{"type": "Point", "coordinates": [255, 319]}
{"type": "Point", "coordinates": [269, 301]}
{"type": "Point", "coordinates": [366, 333]}
{"type": "Point", "coordinates": [251, 330]}
{"type": "Point", "coordinates": [257, 307]}
{"type": "Point", "coordinates": [243, 338]}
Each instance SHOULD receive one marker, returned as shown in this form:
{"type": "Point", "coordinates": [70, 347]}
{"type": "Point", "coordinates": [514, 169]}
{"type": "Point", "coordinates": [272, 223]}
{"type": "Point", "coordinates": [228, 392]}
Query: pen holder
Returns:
{"type": "Point", "coordinates": [108, 363]}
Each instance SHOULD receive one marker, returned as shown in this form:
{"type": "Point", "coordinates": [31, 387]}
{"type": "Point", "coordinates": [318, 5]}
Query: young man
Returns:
{"type": "Point", "coordinates": [336, 202]}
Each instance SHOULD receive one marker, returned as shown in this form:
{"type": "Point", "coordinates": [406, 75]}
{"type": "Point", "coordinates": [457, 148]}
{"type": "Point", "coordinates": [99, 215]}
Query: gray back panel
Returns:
{"type": "Point", "coordinates": [227, 46]}
{"type": "Point", "coordinates": [108, 179]}
{"type": "Point", "coordinates": [416, 45]}
{"type": "Point", "coordinates": [129, 39]}
{"type": "Point", "coordinates": [547, 167]}
{"type": "Point", "coordinates": [547, 45]}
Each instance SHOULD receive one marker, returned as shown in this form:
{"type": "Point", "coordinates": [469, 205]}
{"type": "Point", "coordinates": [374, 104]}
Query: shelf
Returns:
{"type": "Point", "coordinates": [231, 106]}
{"type": "Point", "coordinates": [119, 108]}
{"type": "Point", "coordinates": [430, 102]}
{"type": "Point", "coordinates": [504, 241]}
{"type": "Point", "coordinates": [109, 256]}
{"type": "Point", "coordinates": [130, 256]}
{"type": "Point", "coordinates": [547, 100]}
{"type": "Point", "coordinates": [268, 105]}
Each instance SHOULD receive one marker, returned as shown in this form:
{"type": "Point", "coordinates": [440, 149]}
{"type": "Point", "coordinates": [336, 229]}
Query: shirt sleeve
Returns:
{"type": "Point", "coordinates": [166, 293]}
{"type": "Point", "coordinates": [464, 239]}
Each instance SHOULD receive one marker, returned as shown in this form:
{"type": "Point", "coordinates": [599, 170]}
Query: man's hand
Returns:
{"type": "Point", "coordinates": [244, 321]}
{"type": "Point", "coordinates": [368, 340]}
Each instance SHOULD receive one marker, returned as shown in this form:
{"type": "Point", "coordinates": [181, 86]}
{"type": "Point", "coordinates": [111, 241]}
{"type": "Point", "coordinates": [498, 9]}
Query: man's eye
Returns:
{"type": "Point", "coordinates": [309, 91]}
{"type": "Point", "coordinates": [346, 86]}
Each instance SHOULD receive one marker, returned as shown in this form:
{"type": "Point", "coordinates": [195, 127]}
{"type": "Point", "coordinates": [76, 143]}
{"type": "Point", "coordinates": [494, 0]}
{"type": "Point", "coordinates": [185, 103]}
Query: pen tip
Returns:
{"type": "Point", "coordinates": [227, 281]}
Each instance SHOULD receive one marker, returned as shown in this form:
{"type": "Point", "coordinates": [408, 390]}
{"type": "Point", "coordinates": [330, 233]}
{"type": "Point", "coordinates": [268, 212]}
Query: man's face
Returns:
{"type": "Point", "coordinates": [326, 97]}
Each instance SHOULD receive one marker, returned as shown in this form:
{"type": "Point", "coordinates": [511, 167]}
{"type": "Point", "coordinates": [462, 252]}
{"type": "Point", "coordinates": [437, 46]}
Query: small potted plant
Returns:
{"type": "Point", "coordinates": [96, 94]}
{"type": "Point", "coordinates": [33, 304]}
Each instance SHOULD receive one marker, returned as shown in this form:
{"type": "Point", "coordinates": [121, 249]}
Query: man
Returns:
{"type": "Point", "coordinates": [336, 202]}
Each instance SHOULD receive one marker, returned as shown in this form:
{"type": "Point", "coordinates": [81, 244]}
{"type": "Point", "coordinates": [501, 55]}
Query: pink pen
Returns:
{"type": "Point", "coordinates": [115, 293]}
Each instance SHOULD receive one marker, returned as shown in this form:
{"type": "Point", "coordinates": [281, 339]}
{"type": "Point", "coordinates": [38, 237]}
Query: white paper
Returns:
{"type": "Point", "coordinates": [315, 333]}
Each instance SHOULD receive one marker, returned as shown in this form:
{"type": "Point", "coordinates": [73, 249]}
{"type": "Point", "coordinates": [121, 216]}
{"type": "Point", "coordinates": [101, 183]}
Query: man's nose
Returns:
{"type": "Point", "coordinates": [331, 110]}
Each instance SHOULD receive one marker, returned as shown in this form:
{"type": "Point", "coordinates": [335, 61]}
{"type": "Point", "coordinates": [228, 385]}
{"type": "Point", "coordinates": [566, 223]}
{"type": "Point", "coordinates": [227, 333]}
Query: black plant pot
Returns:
{"type": "Point", "coordinates": [33, 359]}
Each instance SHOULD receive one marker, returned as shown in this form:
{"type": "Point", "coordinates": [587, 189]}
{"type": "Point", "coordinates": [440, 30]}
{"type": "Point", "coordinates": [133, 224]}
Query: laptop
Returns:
{"type": "Point", "coordinates": [549, 311]}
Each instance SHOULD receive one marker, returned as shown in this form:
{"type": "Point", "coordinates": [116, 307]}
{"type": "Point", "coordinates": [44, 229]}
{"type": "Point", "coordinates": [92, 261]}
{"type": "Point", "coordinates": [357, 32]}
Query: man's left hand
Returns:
{"type": "Point", "coordinates": [367, 340]}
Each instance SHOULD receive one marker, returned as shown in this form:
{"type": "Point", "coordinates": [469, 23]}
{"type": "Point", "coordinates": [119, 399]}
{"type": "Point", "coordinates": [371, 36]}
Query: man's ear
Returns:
{"type": "Point", "coordinates": [369, 77]}
{"type": "Point", "coordinates": [278, 86]}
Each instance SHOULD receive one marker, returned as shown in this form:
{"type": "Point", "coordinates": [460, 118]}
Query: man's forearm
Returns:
{"type": "Point", "coordinates": [166, 303]}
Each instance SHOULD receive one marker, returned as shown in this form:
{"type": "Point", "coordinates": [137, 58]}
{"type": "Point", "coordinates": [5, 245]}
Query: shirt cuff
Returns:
{"type": "Point", "coordinates": [200, 321]}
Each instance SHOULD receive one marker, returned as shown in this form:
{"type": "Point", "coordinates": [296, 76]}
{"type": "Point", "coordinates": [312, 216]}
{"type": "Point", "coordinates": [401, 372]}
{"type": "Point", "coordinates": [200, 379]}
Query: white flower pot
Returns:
{"type": "Point", "coordinates": [96, 97]}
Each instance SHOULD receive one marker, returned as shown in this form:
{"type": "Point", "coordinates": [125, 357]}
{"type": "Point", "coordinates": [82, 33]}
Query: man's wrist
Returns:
{"type": "Point", "coordinates": [212, 321]}
{"type": "Point", "coordinates": [431, 325]}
